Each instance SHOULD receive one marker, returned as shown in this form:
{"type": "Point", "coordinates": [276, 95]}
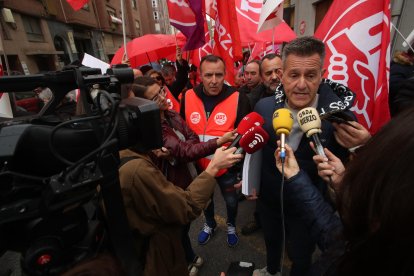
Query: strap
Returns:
{"type": "Point", "coordinates": [126, 159]}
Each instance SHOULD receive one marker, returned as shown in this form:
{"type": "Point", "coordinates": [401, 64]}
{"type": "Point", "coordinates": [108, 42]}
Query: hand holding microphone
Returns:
{"type": "Point", "coordinates": [282, 124]}
{"type": "Point", "coordinates": [310, 123]}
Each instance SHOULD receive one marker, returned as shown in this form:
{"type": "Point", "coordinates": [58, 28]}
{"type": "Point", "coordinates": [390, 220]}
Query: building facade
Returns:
{"type": "Point", "coordinates": [45, 35]}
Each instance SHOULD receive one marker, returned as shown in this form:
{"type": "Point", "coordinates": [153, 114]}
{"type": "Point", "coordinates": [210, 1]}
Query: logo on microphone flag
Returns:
{"type": "Point", "coordinates": [357, 38]}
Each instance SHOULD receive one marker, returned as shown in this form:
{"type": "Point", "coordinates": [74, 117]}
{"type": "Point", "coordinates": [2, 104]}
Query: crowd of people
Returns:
{"type": "Point", "coordinates": [319, 204]}
{"type": "Point", "coordinates": [353, 203]}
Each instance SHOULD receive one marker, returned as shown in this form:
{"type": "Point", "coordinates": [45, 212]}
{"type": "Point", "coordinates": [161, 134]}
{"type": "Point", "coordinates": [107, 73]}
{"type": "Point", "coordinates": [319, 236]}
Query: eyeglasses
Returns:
{"type": "Point", "coordinates": [160, 95]}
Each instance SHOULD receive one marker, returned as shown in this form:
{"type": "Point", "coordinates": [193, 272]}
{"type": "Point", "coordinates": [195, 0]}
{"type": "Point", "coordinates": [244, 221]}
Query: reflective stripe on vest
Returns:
{"type": "Point", "coordinates": [221, 120]}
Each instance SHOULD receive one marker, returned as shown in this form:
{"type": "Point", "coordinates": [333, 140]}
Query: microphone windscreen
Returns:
{"type": "Point", "coordinates": [254, 140]}
{"type": "Point", "coordinates": [309, 121]}
{"type": "Point", "coordinates": [282, 121]}
{"type": "Point", "coordinates": [250, 120]}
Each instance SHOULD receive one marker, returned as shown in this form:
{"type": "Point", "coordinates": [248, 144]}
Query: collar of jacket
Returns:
{"type": "Point", "coordinates": [332, 95]}
{"type": "Point", "coordinates": [225, 92]}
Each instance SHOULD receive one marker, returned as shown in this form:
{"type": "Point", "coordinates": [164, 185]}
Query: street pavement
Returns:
{"type": "Point", "coordinates": [217, 254]}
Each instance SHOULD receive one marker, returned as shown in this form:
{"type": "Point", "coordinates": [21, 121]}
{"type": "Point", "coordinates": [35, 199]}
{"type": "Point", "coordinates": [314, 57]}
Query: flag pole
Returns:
{"type": "Point", "coordinates": [398, 31]}
{"type": "Point", "coordinates": [123, 28]}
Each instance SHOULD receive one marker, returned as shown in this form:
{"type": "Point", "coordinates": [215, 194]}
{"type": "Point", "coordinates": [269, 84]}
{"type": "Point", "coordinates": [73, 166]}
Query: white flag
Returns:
{"type": "Point", "coordinates": [271, 15]}
{"type": "Point", "coordinates": [5, 107]}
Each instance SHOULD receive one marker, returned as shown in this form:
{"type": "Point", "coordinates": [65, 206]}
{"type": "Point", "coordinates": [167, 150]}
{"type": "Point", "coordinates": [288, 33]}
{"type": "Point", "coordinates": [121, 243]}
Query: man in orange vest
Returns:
{"type": "Point", "coordinates": [212, 109]}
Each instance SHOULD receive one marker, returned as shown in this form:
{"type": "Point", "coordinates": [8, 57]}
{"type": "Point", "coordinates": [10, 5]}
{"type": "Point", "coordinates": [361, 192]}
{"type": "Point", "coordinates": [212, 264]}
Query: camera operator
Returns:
{"type": "Point", "coordinates": [157, 209]}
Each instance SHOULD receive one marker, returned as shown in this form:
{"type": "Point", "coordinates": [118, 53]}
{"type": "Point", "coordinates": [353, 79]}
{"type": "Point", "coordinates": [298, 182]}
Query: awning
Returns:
{"type": "Point", "coordinates": [116, 20]}
{"type": "Point", "coordinates": [44, 52]}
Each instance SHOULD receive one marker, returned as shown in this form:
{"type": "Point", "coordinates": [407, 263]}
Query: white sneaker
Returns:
{"type": "Point", "coordinates": [264, 272]}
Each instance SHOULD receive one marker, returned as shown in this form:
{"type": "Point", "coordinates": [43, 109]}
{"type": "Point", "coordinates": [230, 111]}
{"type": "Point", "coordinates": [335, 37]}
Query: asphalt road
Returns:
{"type": "Point", "coordinates": [217, 254]}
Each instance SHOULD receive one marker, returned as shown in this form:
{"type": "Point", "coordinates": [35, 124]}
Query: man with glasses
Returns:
{"type": "Point", "coordinates": [212, 109]}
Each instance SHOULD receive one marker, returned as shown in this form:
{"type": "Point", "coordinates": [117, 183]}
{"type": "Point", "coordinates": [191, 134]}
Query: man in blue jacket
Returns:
{"type": "Point", "coordinates": [301, 86]}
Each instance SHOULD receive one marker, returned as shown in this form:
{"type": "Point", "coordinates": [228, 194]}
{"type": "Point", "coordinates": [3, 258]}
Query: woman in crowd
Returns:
{"type": "Point", "coordinates": [181, 147]}
{"type": "Point", "coordinates": [171, 100]}
{"type": "Point", "coordinates": [374, 233]}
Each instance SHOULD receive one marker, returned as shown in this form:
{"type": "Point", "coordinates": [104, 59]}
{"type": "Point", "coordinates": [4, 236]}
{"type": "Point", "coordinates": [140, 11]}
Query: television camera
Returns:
{"type": "Point", "coordinates": [55, 173]}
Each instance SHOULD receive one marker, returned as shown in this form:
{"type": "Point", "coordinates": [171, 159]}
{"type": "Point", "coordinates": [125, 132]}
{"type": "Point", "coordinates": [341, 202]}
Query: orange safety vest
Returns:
{"type": "Point", "coordinates": [172, 101]}
{"type": "Point", "coordinates": [221, 120]}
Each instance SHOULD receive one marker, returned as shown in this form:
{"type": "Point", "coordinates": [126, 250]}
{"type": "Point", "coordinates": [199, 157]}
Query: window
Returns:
{"type": "Point", "coordinates": [156, 15]}
{"type": "Point", "coordinates": [33, 29]}
{"type": "Point", "coordinates": [154, 4]}
{"type": "Point", "coordinates": [111, 17]}
{"type": "Point", "coordinates": [134, 4]}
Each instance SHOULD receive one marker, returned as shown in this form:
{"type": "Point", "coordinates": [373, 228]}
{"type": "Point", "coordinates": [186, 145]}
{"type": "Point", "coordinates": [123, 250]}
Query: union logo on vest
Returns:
{"type": "Point", "coordinates": [220, 118]}
{"type": "Point", "coordinates": [195, 117]}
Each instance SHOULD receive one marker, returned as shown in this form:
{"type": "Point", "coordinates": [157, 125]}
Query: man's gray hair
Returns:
{"type": "Point", "coordinates": [304, 46]}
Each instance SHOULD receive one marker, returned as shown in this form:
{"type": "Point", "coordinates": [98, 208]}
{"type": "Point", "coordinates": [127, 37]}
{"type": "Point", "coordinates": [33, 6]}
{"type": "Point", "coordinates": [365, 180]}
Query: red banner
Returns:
{"type": "Point", "coordinates": [226, 36]}
{"type": "Point", "coordinates": [260, 49]}
{"type": "Point", "coordinates": [357, 38]}
{"type": "Point", "coordinates": [77, 4]}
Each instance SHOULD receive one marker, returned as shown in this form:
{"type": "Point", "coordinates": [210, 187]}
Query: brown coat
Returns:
{"type": "Point", "coordinates": [157, 208]}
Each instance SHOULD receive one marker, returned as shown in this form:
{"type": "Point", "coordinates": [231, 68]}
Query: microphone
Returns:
{"type": "Point", "coordinates": [253, 140]}
{"type": "Point", "coordinates": [250, 120]}
{"type": "Point", "coordinates": [310, 123]}
{"type": "Point", "coordinates": [282, 124]}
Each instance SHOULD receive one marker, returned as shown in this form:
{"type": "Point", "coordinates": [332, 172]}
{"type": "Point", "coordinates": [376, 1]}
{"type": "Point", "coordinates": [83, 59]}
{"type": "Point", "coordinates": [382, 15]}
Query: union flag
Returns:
{"type": "Point", "coordinates": [357, 38]}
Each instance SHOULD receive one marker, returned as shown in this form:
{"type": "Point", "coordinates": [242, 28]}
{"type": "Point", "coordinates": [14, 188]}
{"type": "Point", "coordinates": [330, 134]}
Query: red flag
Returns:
{"type": "Point", "coordinates": [211, 8]}
{"type": "Point", "coordinates": [260, 49]}
{"type": "Point", "coordinates": [77, 4]}
{"type": "Point", "coordinates": [226, 36]}
{"type": "Point", "coordinates": [187, 16]}
{"type": "Point", "coordinates": [248, 14]}
{"type": "Point", "coordinates": [357, 38]}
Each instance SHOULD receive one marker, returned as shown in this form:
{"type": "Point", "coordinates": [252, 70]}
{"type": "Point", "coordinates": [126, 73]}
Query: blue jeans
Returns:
{"type": "Point", "coordinates": [226, 183]}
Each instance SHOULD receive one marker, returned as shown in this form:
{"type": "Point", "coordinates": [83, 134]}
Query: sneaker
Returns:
{"type": "Point", "coordinates": [264, 272]}
{"type": "Point", "coordinates": [250, 228]}
{"type": "Point", "coordinates": [205, 234]}
{"type": "Point", "coordinates": [232, 238]}
{"type": "Point", "coordinates": [192, 270]}
{"type": "Point", "coordinates": [198, 261]}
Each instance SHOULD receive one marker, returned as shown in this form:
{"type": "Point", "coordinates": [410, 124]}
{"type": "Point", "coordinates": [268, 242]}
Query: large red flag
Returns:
{"type": "Point", "coordinates": [357, 38]}
{"type": "Point", "coordinates": [226, 36]}
{"type": "Point", "coordinates": [187, 16]}
{"type": "Point", "coordinates": [248, 15]}
{"type": "Point", "coordinates": [77, 4]}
